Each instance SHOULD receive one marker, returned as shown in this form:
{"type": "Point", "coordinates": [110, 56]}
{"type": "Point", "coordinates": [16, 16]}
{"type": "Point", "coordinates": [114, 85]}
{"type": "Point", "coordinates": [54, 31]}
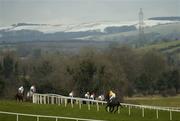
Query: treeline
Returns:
{"type": "Point", "coordinates": [124, 70]}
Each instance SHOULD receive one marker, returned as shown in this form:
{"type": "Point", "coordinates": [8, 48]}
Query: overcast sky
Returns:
{"type": "Point", "coordinates": [82, 11]}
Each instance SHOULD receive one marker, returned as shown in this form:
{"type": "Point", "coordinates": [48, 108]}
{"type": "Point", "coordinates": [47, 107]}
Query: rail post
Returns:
{"type": "Point", "coordinates": [72, 103]}
{"type": "Point", "coordinates": [129, 110]}
{"type": "Point", "coordinates": [37, 118]}
{"type": "Point", "coordinates": [33, 99]}
{"type": "Point", "coordinates": [61, 100]}
{"type": "Point", "coordinates": [44, 99]}
{"type": "Point", "coordinates": [47, 99]}
{"type": "Point", "coordinates": [89, 108]}
{"type": "Point", "coordinates": [58, 100]}
{"type": "Point", "coordinates": [142, 112]}
{"type": "Point", "coordinates": [17, 117]}
{"type": "Point", "coordinates": [157, 114]}
{"type": "Point", "coordinates": [79, 104]}
{"type": "Point", "coordinates": [97, 106]}
{"type": "Point", "coordinates": [52, 99]}
{"type": "Point", "coordinates": [40, 97]}
{"type": "Point", "coordinates": [65, 100]}
{"type": "Point", "coordinates": [37, 99]}
{"type": "Point", "coordinates": [170, 115]}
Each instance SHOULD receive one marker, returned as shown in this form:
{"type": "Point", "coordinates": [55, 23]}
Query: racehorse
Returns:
{"type": "Point", "coordinates": [19, 97]}
{"type": "Point", "coordinates": [111, 104]}
{"type": "Point", "coordinates": [29, 95]}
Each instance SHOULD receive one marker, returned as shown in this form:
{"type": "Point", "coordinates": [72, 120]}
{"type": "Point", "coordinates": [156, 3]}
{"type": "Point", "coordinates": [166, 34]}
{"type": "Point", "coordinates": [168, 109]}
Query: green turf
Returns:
{"type": "Point", "coordinates": [55, 110]}
{"type": "Point", "coordinates": [156, 101]}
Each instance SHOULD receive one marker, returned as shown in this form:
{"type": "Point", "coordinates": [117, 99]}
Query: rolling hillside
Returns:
{"type": "Point", "coordinates": [167, 31]}
{"type": "Point", "coordinates": [170, 48]}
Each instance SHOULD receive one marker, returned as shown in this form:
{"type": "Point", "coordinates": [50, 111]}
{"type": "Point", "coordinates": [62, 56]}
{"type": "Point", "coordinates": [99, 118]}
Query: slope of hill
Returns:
{"type": "Point", "coordinates": [93, 26]}
{"type": "Point", "coordinates": [168, 31]}
{"type": "Point", "coordinates": [106, 31]}
{"type": "Point", "coordinates": [170, 48]}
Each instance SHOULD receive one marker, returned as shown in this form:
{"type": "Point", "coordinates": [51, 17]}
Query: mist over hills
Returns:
{"type": "Point", "coordinates": [156, 29]}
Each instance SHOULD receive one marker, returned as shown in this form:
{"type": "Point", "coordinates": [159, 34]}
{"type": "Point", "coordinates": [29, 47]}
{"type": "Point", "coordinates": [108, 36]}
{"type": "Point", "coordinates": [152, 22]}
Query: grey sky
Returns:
{"type": "Point", "coordinates": [80, 11]}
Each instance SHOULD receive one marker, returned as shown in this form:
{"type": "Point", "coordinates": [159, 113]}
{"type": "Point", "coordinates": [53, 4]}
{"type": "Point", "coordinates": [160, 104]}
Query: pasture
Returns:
{"type": "Point", "coordinates": [61, 110]}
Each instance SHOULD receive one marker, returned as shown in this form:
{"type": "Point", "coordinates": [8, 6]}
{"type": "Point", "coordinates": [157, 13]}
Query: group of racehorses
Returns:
{"type": "Point", "coordinates": [112, 105]}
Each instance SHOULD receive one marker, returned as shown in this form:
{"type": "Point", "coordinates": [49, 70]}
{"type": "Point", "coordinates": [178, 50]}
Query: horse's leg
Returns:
{"type": "Point", "coordinates": [18, 99]}
{"type": "Point", "coordinates": [112, 109]}
{"type": "Point", "coordinates": [116, 108]}
{"type": "Point", "coordinates": [107, 108]}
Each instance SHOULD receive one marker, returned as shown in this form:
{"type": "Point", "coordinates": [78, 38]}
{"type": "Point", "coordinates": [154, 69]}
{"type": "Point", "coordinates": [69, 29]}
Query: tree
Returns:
{"type": "Point", "coordinates": [127, 60]}
{"type": "Point", "coordinates": [83, 75]}
{"type": "Point", "coordinates": [153, 66]}
{"type": "Point", "coordinates": [8, 66]}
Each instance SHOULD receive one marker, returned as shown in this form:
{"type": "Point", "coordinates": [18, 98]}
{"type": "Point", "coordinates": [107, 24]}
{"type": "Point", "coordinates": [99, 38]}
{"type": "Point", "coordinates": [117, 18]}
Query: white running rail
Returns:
{"type": "Point", "coordinates": [59, 99]}
{"type": "Point", "coordinates": [45, 116]}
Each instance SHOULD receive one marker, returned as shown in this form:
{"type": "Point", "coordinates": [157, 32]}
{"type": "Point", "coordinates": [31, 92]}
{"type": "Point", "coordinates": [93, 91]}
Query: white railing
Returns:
{"type": "Point", "coordinates": [45, 116]}
{"type": "Point", "coordinates": [59, 99]}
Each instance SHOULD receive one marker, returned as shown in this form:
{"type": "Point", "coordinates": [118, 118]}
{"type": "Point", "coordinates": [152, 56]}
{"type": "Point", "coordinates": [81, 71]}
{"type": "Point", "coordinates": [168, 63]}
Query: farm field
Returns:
{"type": "Point", "coordinates": [163, 46]}
{"type": "Point", "coordinates": [55, 110]}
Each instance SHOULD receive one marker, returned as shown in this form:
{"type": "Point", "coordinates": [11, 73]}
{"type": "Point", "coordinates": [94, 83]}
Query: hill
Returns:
{"type": "Point", "coordinates": [170, 48]}
{"type": "Point", "coordinates": [97, 31]}
{"type": "Point", "coordinates": [152, 34]}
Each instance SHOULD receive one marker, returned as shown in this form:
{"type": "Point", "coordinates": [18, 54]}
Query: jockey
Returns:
{"type": "Point", "coordinates": [87, 95]}
{"type": "Point", "coordinates": [101, 97]}
{"type": "Point", "coordinates": [21, 90]}
{"type": "Point", "coordinates": [33, 89]}
{"type": "Point", "coordinates": [112, 95]}
{"type": "Point", "coordinates": [71, 94]}
{"type": "Point", "coordinates": [92, 96]}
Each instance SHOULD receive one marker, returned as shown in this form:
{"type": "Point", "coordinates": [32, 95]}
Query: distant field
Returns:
{"type": "Point", "coordinates": [156, 101]}
{"type": "Point", "coordinates": [136, 114]}
{"type": "Point", "coordinates": [163, 46]}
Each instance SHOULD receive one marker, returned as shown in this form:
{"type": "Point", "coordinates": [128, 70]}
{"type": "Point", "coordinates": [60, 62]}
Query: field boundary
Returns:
{"type": "Point", "coordinates": [45, 116]}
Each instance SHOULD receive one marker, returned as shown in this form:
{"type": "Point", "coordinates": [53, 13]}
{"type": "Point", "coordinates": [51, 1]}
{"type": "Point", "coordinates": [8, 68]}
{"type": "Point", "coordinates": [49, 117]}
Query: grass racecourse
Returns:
{"type": "Point", "coordinates": [61, 110]}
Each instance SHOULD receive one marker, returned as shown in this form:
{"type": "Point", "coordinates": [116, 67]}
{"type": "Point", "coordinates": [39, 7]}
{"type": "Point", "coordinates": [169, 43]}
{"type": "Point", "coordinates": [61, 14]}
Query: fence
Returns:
{"type": "Point", "coordinates": [43, 116]}
{"type": "Point", "coordinates": [59, 99]}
